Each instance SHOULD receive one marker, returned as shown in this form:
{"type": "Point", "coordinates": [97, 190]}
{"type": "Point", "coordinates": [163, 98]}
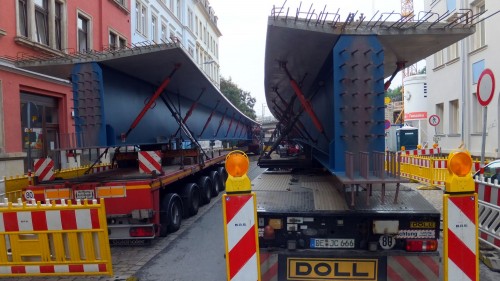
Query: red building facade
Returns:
{"type": "Point", "coordinates": [35, 109]}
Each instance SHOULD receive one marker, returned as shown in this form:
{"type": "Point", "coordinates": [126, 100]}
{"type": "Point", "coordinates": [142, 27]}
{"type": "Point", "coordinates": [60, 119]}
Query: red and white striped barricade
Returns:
{"type": "Point", "coordinates": [149, 161]}
{"type": "Point", "coordinates": [64, 239]}
{"type": "Point", "coordinates": [44, 169]}
{"type": "Point", "coordinates": [489, 211]}
{"type": "Point", "coordinates": [241, 233]}
{"type": "Point", "coordinates": [268, 266]}
{"type": "Point", "coordinates": [418, 152]}
{"type": "Point", "coordinates": [461, 246]}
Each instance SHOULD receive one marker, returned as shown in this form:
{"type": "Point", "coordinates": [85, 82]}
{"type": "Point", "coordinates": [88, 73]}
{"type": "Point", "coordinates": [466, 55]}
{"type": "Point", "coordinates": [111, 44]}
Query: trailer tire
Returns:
{"type": "Point", "coordinates": [170, 214]}
{"type": "Point", "coordinates": [216, 183]}
{"type": "Point", "coordinates": [191, 199]}
{"type": "Point", "coordinates": [205, 184]}
{"type": "Point", "coordinates": [223, 176]}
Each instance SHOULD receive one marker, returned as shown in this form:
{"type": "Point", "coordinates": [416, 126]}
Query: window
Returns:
{"type": "Point", "coordinates": [454, 117]}
{"type": "Point", "coordinates": [439, 58]}
{"type": "Point", "coordinates": [179, 14]}
{"type": "Point", "coordinates": [123, 42]}
{"type": "Point", "coordinates": [163, 32]}
{"type": "Point", "coordinates": [42, 21]}
{"type": "Point", "coordinates": [83, 34]}
{"type": "Point", "coordinates": [140, 17]}
{"type": "Point", "coordinates": [477, 115]}
{"type": "Point", "coordinates": [477, 68]}
{"type": "Point", "coordinates": [172, 5]}
{"type": "Point", "coordinates": [453, 52]}
{"type": "Point", "coordinates": [23, 18]}
{"type": "Point", "coordinates": [190, 20]}
{"type": "Point", "coordinates": [478, 38]}
{"type": "Point", "coordinates": [440, 113]}
{"type": "Point", "coordinates": [154, 28]}
{"type": "Point", "coordinates": [116, 41]}
{"type": "Point", "coordinates": [196, 29]}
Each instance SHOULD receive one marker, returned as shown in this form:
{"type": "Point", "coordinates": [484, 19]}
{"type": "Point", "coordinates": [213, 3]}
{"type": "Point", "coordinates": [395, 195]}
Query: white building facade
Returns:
{"type": "Point", "coordinates": [452, 78]}
{"type": "Point", "coordinates": [192, 23]}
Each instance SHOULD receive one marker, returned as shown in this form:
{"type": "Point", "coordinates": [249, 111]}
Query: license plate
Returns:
{"type": "Point", "coordinates": [84, 194]}
{"type": "Point", "coordinates": [331, 243]}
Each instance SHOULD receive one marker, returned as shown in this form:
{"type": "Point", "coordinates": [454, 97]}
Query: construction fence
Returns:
{"type": "Point", "coordinates": [54, 239]}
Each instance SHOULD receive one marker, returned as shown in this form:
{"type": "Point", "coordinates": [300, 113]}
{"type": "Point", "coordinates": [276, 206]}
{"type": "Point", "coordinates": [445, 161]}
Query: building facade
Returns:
{"type": "Point", "coordinates": [35, 109]}
{"type": "Point", "coordinates": [453, 75]}
{"type": "Point", "coordinates": [190, 23]}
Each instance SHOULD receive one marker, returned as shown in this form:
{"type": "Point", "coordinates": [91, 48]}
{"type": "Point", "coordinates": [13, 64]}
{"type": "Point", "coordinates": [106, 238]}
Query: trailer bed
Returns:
{"type": "Point", "coordinates": [320, 193]}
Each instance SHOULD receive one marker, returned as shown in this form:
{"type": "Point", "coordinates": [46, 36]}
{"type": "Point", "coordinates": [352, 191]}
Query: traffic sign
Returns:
{"type": "Point", "coordinates": [485, 87]}
{"type": "Point", "coordinates": [387, 124]}
{"type": "Point", "coordinates": [434, 120]}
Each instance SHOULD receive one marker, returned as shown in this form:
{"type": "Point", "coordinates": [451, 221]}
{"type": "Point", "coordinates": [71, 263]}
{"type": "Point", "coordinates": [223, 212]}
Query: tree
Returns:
{"type": "Point", "coordinates": [241, 99]}
{"type": "Point", "coordinates": [394, 94]}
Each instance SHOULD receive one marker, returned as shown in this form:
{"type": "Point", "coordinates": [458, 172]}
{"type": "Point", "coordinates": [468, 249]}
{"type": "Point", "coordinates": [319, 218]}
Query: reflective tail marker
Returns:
{"type": "Point", "coordinates": [240, 216]}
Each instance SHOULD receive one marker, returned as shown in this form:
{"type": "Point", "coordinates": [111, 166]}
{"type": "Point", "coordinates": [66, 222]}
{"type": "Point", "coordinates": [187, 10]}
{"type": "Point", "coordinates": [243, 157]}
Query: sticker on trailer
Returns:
{"type": "Point", "coordinates": [422, 224]}
{"type": "Point", "coordinates": [29, 195]}
{"type": "Point", "coordinates": [292, 227]}
{"type": "Point", "coordinates": [84, 194]}
{"type": "Point", "coordinates": [332, 269]}
{"type": "Point", "coordinates": [387, 242]}
{"type": "Point", "coordinates": [308, 219]}
{"type": "Point", "coordinates": [294, 220]}
{"type": "Point", "coordinates": [417, 234]}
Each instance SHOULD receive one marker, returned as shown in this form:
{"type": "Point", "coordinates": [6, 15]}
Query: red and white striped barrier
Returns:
{"type": "Point", "coordinates": [53, 269]}
{"type": "Point", "coordinates": [461, 245]}
{"type": "Point", "coordinates": [412, 268]}
{"type": "Point", "coordinates": [49, 220]}
{"type": "Point", "coordinates": [99, 169]}
{"type": "Point", "coordinates": [44, 169]}
{"type": "Point", "coordinates": [489, 211]}
{"type": "Point", "coordinates": [415, 152]}
{"type": "Point", "coordinates": [149, 161]}
{"type": "Point", "coordinates": [242, 258]}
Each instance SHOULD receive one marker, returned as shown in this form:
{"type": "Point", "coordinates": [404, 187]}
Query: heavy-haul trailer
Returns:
{"type": "Point", "coordinates": [335, 211]}
{"type": "Point", "coordinates": [141, 106]}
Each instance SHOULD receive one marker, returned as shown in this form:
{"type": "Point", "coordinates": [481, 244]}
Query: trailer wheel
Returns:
{"type": "Point", "coordinates": [216, 183]}
{"type": "Point", "coordinates": [223, 177]}
{"type": "Point", "coordinates": [205, 184]}
{"type": "Point", "coordinates": [191, 199]}
{"type": "Point", "coordinates": [170, 214]}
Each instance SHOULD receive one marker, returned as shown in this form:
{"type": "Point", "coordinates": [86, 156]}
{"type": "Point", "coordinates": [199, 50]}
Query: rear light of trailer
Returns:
{"type": "Point", "coordinates": [144, 231]}
{"type": "Point", "coordinates": [414, 245]}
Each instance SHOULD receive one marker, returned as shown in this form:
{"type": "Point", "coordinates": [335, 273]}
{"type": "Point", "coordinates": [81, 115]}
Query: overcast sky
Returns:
{"type": "Point", "coordinates": [243, 25]}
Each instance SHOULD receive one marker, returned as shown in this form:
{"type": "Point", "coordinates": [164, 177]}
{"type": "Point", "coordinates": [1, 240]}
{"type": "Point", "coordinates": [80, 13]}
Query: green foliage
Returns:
{"type": "Point", "coordinates": [239, 98]}
{"type": "Point", "coordinates": [394, 94]}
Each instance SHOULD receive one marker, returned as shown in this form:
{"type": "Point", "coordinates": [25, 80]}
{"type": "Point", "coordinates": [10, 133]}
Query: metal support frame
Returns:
{"type": "Point", "coordinates": [183, 126]}
{"type": "Point", "coordinates": [209, 118]}
{"type": "Point", "coordinates": [191, 108]}
{"type": "Point", "coordinates": [148, 105]}
{"type": "Point", "coordinates": [230, 124]}
{"type": "Point", "coordinates": [221, 122]}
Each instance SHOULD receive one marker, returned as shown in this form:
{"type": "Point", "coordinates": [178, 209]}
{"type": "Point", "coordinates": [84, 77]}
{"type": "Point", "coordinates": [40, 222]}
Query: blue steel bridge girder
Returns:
{"type": "Point", "coordinates": [358, 93]}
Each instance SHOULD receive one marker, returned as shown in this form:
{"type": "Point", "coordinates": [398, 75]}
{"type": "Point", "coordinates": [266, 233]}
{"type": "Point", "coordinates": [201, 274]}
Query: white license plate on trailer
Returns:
{"type": "Point", "coordinates": [84, 194]}
{"type": "Point", "coordinates": [331, 243]}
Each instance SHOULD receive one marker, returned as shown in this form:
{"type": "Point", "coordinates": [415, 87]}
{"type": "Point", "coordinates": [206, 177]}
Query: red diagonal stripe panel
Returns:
{"type": "Point", "coordinates": [10, 221]}
{"type": "Point", "coordinates": [271, 273]}
{"type": "Point", "coordinates": [466, 205]}
{"type": "Point", "coordinates": [431, 264]}
{"type": "Point", "coordinates": [410, 268]}
{"type": "Point", "coordinates": [460, 254]}
{"type": "Point", "coordinates": [393, 275]}
{"type": "Point", "coordinates": [68, 220]}
{"type": "Point", "coordinates": [39, 220]}
{"type": "Point", "coordinates": [234, 203]}
{"type": "Point", "coordinates": [151, 160]}
{"type": "Point", "coordinates": [38, 163]}
{"type": "Point", "coordinates": [144, 168]}
{"type": "Point", "coordinates": [242, 252]}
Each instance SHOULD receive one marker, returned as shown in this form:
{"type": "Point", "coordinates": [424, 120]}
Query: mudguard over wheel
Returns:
{"type": "Point", "coordinates": [205, 184]}
{"type": "Point", "coordinates": [216, 183]}
{"type": "Point", "coordinates": [170, 214]}
{"type": "Point", "coordinates": [191, 198]}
